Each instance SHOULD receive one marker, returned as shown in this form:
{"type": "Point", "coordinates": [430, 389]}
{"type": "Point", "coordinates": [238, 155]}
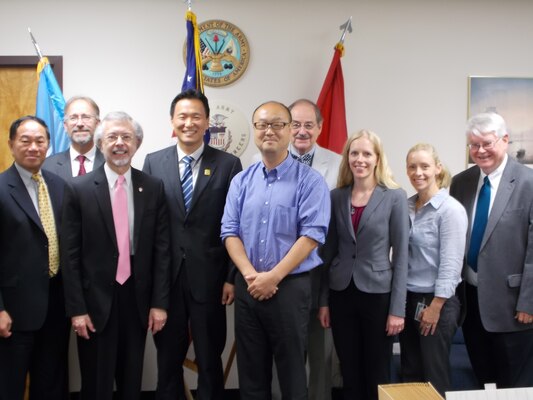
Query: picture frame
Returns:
{"type": "Point", "coordinates": [512, 98]}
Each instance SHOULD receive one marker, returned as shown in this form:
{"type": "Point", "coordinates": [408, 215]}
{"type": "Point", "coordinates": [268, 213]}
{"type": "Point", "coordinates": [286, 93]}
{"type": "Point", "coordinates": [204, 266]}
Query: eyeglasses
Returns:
{"type": "Point", "coordinates": [126, 138]}
{"type": "Point", "coordinates": [275, 126]}
{"type": "Point", "coordinates": [307, 126]}
{"type": "Point", "coordinates": [75, 118]}
{"type": "Point", "coordinates": [486, 145]}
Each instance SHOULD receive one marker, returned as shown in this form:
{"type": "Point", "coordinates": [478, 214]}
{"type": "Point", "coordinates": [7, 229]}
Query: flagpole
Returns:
{"type": "Point", "coordinates": [37, 49]}
{"type": "Point", "coordinates": [347, 26]}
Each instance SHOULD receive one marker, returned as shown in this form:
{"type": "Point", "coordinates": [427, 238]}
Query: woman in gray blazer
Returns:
{"type": "Point", "coordinates": [364, 285]}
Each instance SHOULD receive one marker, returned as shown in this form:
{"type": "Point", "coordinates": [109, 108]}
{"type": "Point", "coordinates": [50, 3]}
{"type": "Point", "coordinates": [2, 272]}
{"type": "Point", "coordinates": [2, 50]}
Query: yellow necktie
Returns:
{"type": "Point", "coordinates": [47, 220]}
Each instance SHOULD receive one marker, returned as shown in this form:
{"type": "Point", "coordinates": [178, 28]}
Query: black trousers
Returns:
{"type": "Point", "coordinates": [115, 354]}
{"type": "Point", "coordinates": [427, 358]}
{"type": "Point", "coordinates": [358, 322]}
{"type": "Point", "coordinates": [207, 323]}
{"type": "Point", "coordinates": [42, 353]}
{"type": "Point", "coordinates": [273, 329]}
{"type": "Point", "coordinates": [502, 358]}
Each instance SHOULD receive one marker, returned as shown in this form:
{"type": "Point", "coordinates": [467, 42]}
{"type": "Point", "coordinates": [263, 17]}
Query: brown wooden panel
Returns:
{"type": "Point", "coordinates": [18, 92]}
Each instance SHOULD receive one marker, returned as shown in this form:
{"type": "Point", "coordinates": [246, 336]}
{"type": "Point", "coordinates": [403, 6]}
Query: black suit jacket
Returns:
{"type": "Point", "coordinates": [195, 235]}
{"type": "Point", "coordinates": [89, 251]}
{"type": "Point", "coordinates": [24, 279]}
{"type": "Point", "coordinates": [61, 165]}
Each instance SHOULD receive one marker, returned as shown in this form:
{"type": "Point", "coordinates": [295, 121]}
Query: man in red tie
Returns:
{"type": "Point", "coordinates": [82, 116]}
{"type": "Point", "coordinates": [116, 263]}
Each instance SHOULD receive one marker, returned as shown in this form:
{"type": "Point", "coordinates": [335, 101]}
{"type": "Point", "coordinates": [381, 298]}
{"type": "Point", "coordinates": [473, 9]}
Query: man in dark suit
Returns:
{"type": "Point", "coordinates": [82, 116]}
{"type": "Point", "coordinates": [200, 278]}
{"type": "Point", "coordinates": [497, 194]}
{"type": "Point", "coordinates": [116, 263]}
{"type": "Point", "coordinates": [33, 327]}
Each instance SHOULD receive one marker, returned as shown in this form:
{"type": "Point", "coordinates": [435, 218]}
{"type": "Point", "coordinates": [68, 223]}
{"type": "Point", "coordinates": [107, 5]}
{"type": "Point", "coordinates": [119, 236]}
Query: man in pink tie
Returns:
{"type": "Point", "coordinates": [116, 263]}
{"type": "Point", "coordinates": [82, 116]}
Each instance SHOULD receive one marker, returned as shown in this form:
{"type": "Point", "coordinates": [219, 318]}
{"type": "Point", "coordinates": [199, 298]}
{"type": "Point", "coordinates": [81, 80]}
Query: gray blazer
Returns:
{"type": "Point", "coordinates": [505, 261]}
{"type": "Point", "coordinates": [368, 260]}
{"type": "Point", "coordinates": [60, 164]}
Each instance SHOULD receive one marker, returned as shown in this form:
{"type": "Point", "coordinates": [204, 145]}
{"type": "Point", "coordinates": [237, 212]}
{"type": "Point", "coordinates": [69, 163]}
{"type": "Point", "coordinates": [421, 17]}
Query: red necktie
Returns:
{"type": "Point", "coordinates": [122, 230]}
{"type": "Point", "coordinates": [81, 159]}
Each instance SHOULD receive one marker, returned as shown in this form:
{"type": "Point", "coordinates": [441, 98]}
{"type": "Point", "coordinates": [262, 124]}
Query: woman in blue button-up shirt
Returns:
{"type": "Point", "coordinates": [436, 248]}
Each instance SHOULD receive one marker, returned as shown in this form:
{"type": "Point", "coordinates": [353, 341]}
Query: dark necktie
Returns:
{"type": "Point", "coordinates": [81, 159]}
{"type": "Point", "coordinates": [305, 159]}
{"type": "Point", "coordinates": [186, 182]}
{"type": "Point", "coordinates": [480, 223]}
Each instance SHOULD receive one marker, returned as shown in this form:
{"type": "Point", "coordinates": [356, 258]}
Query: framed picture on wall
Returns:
{"type": "Point", "coordinates": [512, 98]}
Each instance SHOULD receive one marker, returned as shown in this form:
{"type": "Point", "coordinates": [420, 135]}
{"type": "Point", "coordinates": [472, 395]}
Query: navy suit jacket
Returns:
{"type": "Point", "coordinates": [61, 165]}
{"type": "Point", "coordinates": [89, 247]}
{"type": "Point", "coordinates": [195, 235]}
{"type": "Point", "coordinates": [24, 279]}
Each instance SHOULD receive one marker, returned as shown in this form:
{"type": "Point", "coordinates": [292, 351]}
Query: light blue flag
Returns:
{"type": "Point", "coordinates": [50, 107]}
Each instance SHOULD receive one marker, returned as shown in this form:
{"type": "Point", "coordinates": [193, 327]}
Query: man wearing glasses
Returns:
{"type": "Point", "coordinates": [116, 259]}
{"type": "Point", "coordinates": [277, 213]}
{"type": "Point", "coordinates": [82, 116]}
{"type": "Point", "coordinates": [306, 126]}
{"type": "Point", "coordinates": [497, 193]}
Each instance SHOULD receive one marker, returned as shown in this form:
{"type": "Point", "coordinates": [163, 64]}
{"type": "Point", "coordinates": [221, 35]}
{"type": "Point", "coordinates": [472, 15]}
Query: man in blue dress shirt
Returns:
{"type": "Point", "coordinates": [277, 213]}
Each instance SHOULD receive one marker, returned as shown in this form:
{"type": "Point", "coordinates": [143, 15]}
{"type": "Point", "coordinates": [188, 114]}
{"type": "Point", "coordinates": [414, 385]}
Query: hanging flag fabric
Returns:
{"type": "Point", "coordinates": [193, 73]}
{"type": "Point", "coordinates": [50, 107]}
{"type": "Point", "coordinates": [194, 78]}
{"type": "Point", "coordinates": [332, 106]}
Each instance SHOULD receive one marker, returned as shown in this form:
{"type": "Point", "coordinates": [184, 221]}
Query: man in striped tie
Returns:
{"type": "Point", "coordinates": [197, 178]}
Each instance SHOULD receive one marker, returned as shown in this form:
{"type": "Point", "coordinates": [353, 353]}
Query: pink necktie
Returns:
{"type": "Point", "coordinates": [81, 159]}
{"type": "Point", "coordinates": [122, 230]}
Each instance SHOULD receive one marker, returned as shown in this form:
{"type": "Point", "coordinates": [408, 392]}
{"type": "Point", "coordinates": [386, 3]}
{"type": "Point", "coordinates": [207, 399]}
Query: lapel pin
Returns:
{"type": "Point", "coordinates": [140, 189]}
{"type": "Point", "coordinates": [207, 172]}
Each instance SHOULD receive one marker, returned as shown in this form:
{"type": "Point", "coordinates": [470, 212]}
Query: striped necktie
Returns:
{"type": "Point", "coordinates": [49, 225]}
{"type": "Point", "coordinates": [186, 182]}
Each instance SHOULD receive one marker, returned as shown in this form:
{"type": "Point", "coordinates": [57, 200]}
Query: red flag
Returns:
{"type": "Point", "coordinates": [331, 104]}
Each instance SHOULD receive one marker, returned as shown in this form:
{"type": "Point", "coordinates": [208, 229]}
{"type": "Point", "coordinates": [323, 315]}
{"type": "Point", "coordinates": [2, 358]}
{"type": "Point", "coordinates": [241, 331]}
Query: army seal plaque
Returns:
{"type": "Point", "coordinates": [225, 52]}
{"type": "Point", "coordinates": [229, 128]}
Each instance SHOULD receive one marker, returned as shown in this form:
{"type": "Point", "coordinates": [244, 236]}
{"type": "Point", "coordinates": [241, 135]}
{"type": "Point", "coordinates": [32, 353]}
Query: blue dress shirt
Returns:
{"type": "Point", "coordinates": [270, 210]}
{"type": "Point", "coordinates": [436, 245]}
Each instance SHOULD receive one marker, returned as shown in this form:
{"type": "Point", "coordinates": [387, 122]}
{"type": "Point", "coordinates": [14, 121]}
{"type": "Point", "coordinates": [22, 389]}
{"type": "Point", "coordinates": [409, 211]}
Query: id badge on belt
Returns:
{"type": "Point", "coordinates": [421, 306]}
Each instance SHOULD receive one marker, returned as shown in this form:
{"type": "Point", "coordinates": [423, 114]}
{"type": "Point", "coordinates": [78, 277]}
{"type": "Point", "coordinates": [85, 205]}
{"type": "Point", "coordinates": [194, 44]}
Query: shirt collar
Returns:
{"type": "Point", "coordinates": [112, 176]}
{"type": "Point", "coordinates": [282, 167]}
{"type": "Point", "coordinates": [24, 173]}
{"type": "Point", "coordinates": [295, 153]}
{"type": "Point", "coordinates": [195, 154]}
{"type": "Point", "coordinates": [497, 173]}
{"type": "Point", "coordinates": [90, 155]}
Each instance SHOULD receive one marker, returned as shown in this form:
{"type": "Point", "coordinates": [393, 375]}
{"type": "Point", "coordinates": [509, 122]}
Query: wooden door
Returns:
{"type": "Point", "coordinates": [18, 92]}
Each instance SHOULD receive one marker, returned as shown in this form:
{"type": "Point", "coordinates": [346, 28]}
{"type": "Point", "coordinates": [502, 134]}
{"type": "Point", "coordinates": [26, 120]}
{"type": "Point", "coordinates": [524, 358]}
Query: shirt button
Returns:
{"type": "Point", "coordinates": [262, 241]}
{"type": "Point", "coordinates": [266, 202]}
{"type": "Point", "coordinates": [264, 222]}
{"type": "Point", "coordinates": [261, 259]}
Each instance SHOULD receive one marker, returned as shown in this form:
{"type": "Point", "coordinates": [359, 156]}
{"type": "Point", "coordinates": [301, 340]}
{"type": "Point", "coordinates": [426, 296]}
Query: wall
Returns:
{"type": "Point", "coordinates": [405, 67]}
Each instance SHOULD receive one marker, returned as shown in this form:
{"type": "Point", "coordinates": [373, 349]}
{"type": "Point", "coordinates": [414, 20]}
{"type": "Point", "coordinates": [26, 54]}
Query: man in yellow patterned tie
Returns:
{"type": "Point", "coordinates": [33, 326]}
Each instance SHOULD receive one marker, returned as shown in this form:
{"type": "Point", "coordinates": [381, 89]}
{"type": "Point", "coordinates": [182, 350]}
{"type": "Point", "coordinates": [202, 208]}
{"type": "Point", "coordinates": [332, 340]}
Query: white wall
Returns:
{"type": "Point", "coordinates": [405, 67]}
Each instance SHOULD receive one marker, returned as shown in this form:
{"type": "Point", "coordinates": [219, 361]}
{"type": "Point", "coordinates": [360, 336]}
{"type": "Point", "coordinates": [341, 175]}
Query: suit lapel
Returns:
{"type": "Point", "coordinates": [205, 172]}
{"type": "Point", "coordinates": [505, 190]}
{"type": "Point", "coordinates": [320, 163]}
{"type": "Point", "coordinates": [138, 204]}
{"type": "Point", "coordinates": [170, 165]}
{"type": "Point", "coordinates": [101, 191]}
{"type": "Point", "coordinates": [21, 196]}
{"type": "Point", "coordinates": [375, 199]}
{"type": "Point", "coordinates": [344, 209]}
